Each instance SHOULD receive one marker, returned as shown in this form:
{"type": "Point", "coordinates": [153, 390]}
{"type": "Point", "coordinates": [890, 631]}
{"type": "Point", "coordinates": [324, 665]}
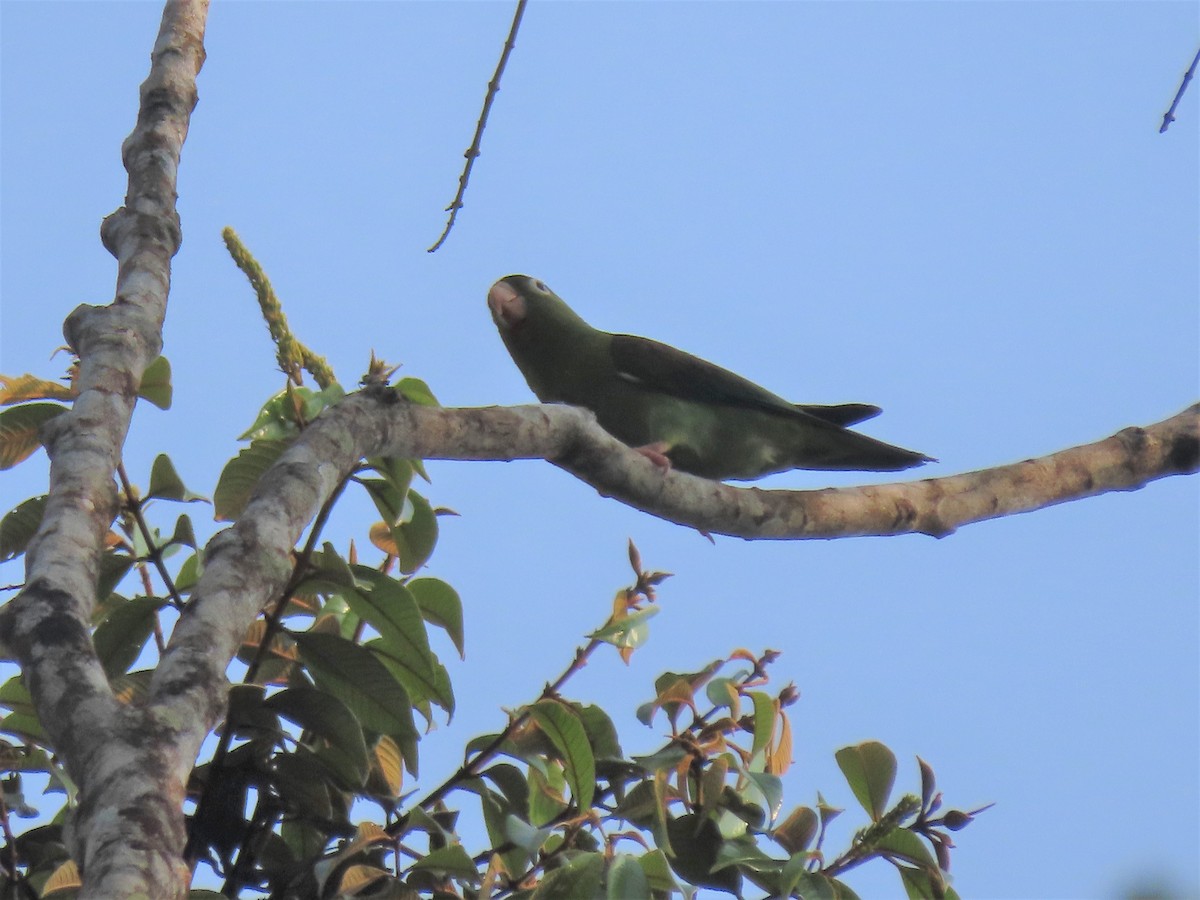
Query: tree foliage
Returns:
{"type": "Point", "coordinates": [304, 792]}
{"type": "Point", "coordinates": [126, 631]}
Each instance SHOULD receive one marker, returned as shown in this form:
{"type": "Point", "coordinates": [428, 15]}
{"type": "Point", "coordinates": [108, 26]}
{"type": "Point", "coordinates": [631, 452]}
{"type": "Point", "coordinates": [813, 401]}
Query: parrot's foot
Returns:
{"type": "Point", "coordinates": [655, 453]}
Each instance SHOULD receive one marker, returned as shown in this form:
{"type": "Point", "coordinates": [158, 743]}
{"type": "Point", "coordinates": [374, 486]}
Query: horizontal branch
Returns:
{"type": "Point", "coordinates": [570, 438]}
{"type": "Point", "coordinates": [248, 563]}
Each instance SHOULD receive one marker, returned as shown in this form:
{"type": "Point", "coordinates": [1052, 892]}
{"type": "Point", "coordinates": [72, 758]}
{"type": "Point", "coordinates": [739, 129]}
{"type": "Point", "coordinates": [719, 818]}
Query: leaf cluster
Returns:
{"type": "Point", "coordinates": [305, 791]}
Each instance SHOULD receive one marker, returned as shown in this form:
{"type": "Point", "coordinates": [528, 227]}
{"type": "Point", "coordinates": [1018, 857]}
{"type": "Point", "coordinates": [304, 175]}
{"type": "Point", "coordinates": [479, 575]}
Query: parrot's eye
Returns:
{"type": "Point", "coordinates": [541, 286]}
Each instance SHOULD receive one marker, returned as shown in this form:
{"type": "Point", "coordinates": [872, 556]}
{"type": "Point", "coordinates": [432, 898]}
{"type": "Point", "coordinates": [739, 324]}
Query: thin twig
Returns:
{"type": "Point", "coordinates": [1169, 115]}
{"type": "Point", "coordinates": [473, 151]}
{"type": "Point", "coordinates": [135, 507]}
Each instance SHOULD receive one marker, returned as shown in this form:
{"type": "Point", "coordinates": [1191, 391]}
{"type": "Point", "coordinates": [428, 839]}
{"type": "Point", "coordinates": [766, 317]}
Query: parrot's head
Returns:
{"type": "Point", "coordinates": [523, 303]}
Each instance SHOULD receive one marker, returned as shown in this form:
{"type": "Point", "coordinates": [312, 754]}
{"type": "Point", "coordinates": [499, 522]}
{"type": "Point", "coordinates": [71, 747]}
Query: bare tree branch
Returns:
{"type": "Point", "coordinates": [248, 563]}
{"type": "Point", "coordinates": [570, 439]}
{"type": "Point", "coordinates": [1169, 115]}
{"type": "Point", "coordinates": [131, 792]}
{"type": "Point", "coordinates": [473, 151]}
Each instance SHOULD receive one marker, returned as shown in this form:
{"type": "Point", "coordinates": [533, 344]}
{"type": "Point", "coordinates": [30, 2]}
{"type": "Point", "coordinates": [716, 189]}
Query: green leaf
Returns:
{"type": "Point", "coordinates": [546, 793]}
{"type": "Point", "coordinates": [302, 784]}
{"type": "Point", "coordinates": [119, 639]}
{"type": "Point", "coordinates": [19, 430]}
{"type": "Point", "coordinates": [166, 484]}
{"type": "Point", "coordinates": [601, 733]}
{"type": "Point", "coordinates": [394, 470]}
{"type": "Point", "coordinates": [19, 525]}
{"type": "Point", "coordinates": [25, 726]}
{"type": "Point", "coordinates": [276, 420]}
{"type": "Point", "coordinates": [356, 677]}
{"type": "Point", "coordinates": [562, 726]}
{"type": "Point", "coordinates": [743, 852]}
{"type": "Point", "coordinates": [441, 606]}
{"type": "Point", "coordinates": [14, 696]}
{"type": "Point", "coordinates": [627, 879]}
{"type": "Point", "coordinates": [390, 608]}
{"type": "Point", "coordinates": [189, 572]}
{"type": "Point", "coordinates": [183, 535]}
{"type": "Point", "coordinates": [723, 693]}
{"type": "Point", "coordinates": [240, 476]}
{"type": "Point", "coordinates": [770, 787]}
{"type": "Point", "coordinates": [156, 383]}
{"type": "Point", "coordinates": [796, 832]}
{"type": "Point", "coordinates": [697, 842]}
{"type": "Point", "coordinates": [328, 717]}
{"type": "Point", "coordinates": [658, 872]}
{"type": "Point", "coordinates": [812, 885]}
{"type": "Point", "coordinates": [417, 391]}
{"type": "Point", "coordinates": [416, 536]}
{"type": "Point", "coordinates": [403, 646]}
{"type": "Point", "coordinates": [422, 686]}
{"type": "Point", "coordinates": [113, 567]}
{"type": "Point", "coordinates": [577, 880]}
{"type": "Point", "coordinates": [920, 885]}
{"type": "Point", "coordinates": [764, 720]}
{"type": "Point", "coordinates": [870, 770]}
{"type": "Point", "coordinates": [630, 631]}
{"type": "Point", "coordinates": [524, 835]}
{"type": "Point", "coordinates": [903, 844]}
{"type": "Point", "coordinates": [451, 860]}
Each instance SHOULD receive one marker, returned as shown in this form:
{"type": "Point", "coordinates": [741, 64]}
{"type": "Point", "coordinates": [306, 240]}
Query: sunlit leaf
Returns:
{"type": "Point", "coordinates": [524, 835]}
{"type": "Point", "coordinates": [29, 387]}
{"type": "Point", "coordinates": [156, 383]}
{"type": "Point", "coordinates": [416, 536]}
{"type": "Point", "coordinates": [561, 725]}
{"type": "Point", "coordinates": [65, 877]}
{"type": "Point", "coordinates": [905, 845]}
{"type": "Point", "coordinates": [441, 606]}
{"type": "Point", "coordinates": [166, 483]}
{"type": "Point", "coordinates": [240, 475]}
{"type": "Point", "coordinates": [452, 860]}
{"type": "Point", "coordinates": [19, 430]}
{"type": "Point", "coordinates": [386, 768]}
{"type": "Point", "coordinates": [417, 391]}
{"type": "Point", "coordinates": [870, 770]}
{"type": "Point", "coordinates": [764, 720]}
{"type": "Point", "coordinates": [779, 759]}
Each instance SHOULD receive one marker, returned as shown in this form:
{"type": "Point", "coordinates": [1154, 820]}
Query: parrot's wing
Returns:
{"type": "Point", "coordinates": [844, 414]}
{"type": "Point", "coordinates": [661, 367]}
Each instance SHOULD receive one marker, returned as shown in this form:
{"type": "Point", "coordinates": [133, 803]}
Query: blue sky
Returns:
{"type": "Point", "coordinates": [963, 213]}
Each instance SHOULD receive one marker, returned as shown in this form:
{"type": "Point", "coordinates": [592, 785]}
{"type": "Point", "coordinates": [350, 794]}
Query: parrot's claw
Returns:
{"type": "Point", "coordinates": [654, 453]}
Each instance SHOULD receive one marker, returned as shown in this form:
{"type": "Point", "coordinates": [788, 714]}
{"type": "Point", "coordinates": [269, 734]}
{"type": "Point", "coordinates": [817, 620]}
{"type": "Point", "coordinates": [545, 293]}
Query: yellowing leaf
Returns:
{"type": "Point", "coordinates": [19, 430]}
{"type": "Point", "coordinates": [29, 387]}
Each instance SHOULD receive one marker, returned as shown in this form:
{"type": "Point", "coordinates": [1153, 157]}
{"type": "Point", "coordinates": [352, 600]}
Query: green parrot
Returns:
{"type": "Point", "coordinates": [674, 408]}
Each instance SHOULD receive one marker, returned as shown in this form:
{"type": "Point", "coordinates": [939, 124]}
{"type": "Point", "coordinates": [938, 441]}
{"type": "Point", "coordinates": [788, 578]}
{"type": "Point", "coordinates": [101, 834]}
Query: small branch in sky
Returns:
{"type": "Point", "coordinates": [473, 151]}
{"type": "Point", "coordinates": [1169, 115]}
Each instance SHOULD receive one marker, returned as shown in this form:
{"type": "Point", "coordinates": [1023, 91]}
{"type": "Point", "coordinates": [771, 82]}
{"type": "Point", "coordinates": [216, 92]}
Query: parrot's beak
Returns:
{"type": "Point", "coordinates": [507, 306]}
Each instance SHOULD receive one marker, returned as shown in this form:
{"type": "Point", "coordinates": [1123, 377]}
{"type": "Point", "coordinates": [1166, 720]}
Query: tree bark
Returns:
{"type": "Point", "coordinates": [128, 761]}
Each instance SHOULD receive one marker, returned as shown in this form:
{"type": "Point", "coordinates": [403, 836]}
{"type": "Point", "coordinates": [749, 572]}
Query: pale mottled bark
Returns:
{"type": "Point", "coordinates": [128, 831]}
{"type": "Point", "coordinates": [571, 440]}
